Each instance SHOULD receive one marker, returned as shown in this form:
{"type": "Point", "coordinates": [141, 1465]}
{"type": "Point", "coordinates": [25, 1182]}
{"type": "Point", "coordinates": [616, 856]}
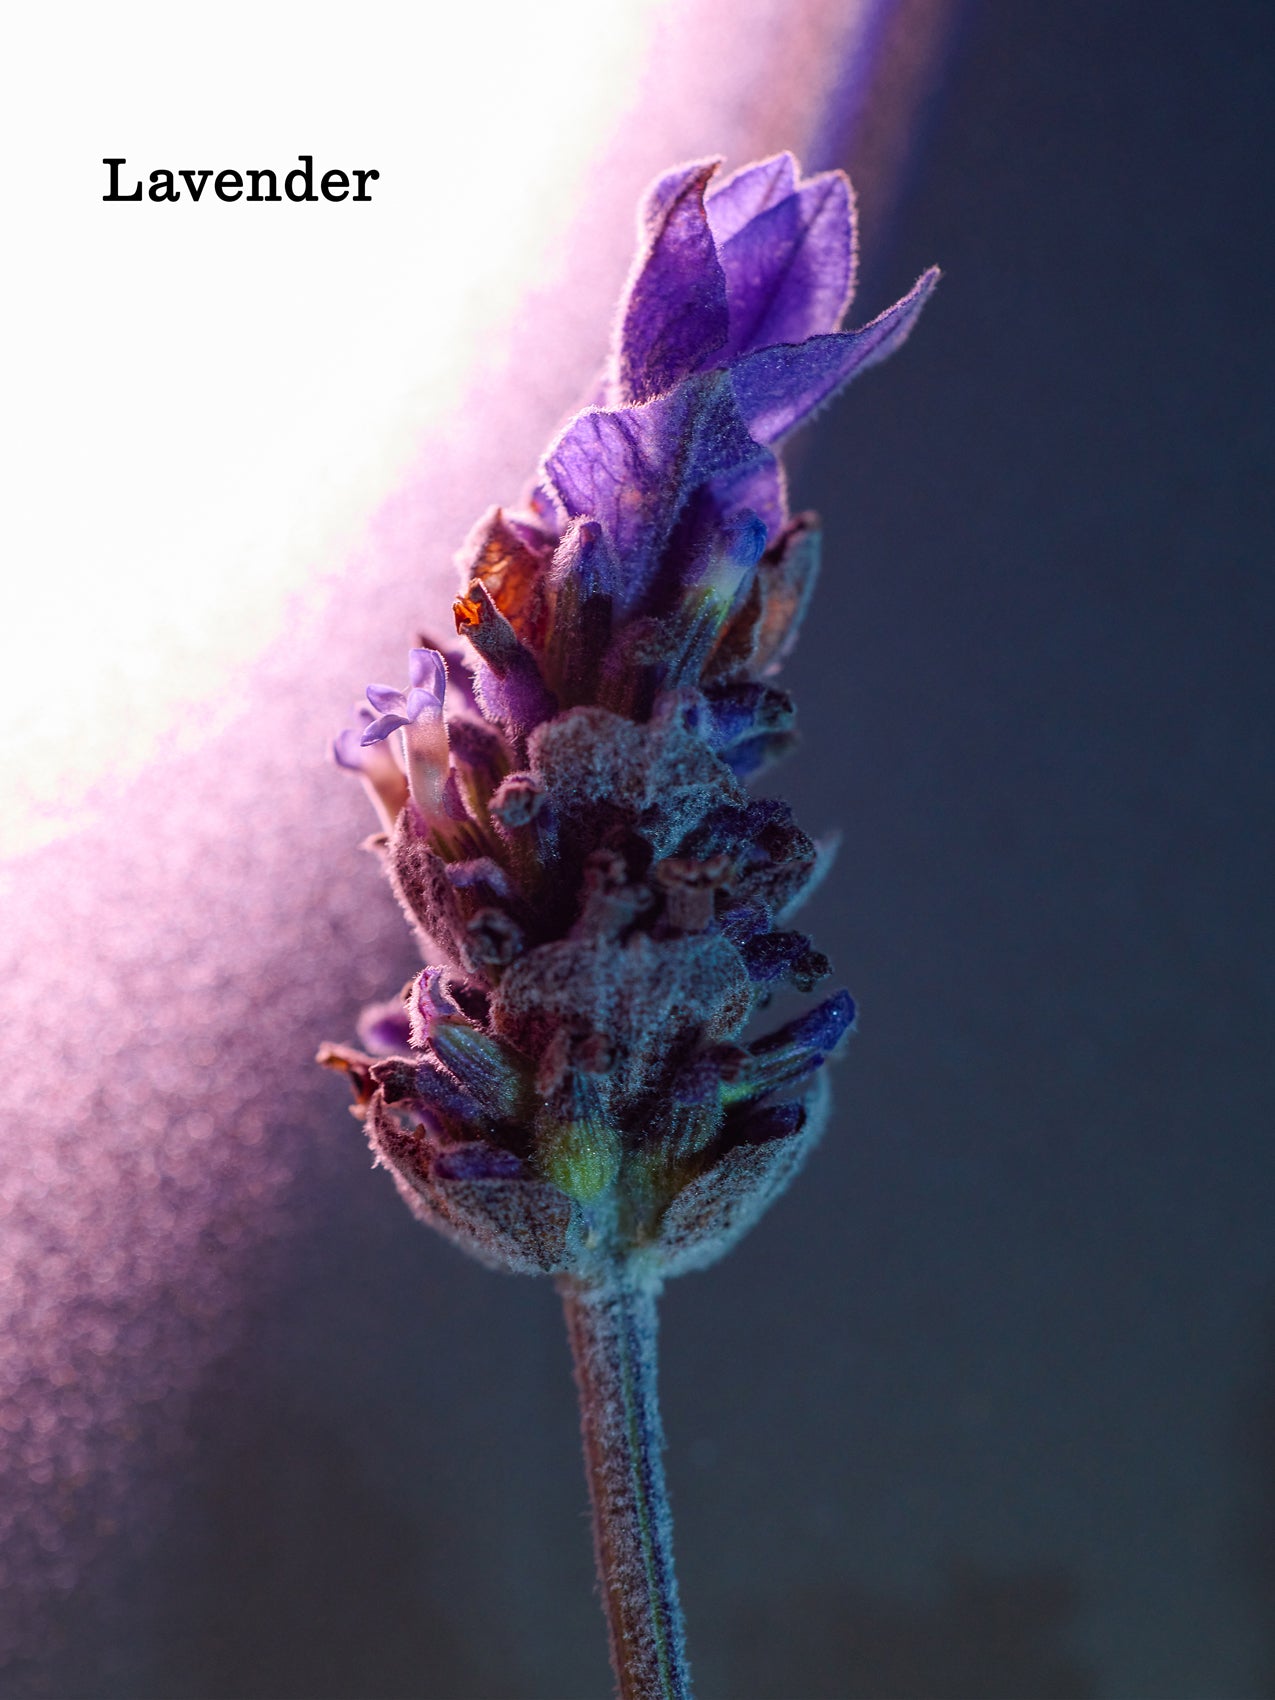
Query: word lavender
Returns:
{"type": "Point", "coordinates": [298, 184]}
{"type": "Point", "coordinates": [567, 1088]}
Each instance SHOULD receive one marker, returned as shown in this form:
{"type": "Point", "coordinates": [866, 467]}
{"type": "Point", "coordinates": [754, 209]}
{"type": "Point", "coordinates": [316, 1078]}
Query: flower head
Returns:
{"type": "Point", "coordinates": [601, 903]}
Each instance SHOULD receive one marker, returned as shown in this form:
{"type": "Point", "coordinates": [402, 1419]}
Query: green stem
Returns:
{"type": "Point", "coordinates": [612, 1327]}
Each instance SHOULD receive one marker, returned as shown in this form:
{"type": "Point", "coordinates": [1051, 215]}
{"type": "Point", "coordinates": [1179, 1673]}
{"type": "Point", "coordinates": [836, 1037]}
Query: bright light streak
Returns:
{"type": "Point", "coordinates": [204, 401]}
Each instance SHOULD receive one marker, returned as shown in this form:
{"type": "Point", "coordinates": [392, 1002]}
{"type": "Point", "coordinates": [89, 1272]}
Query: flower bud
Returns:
{"type": "Point", "coordinates": [518, 801]}
{"type": "Point", "coordinates": [583, 586]}
{"type": "Point", "coordinates": [581, 1158]}
{"type": "Point", "coordinates": [784, 1057]}
{"type": "Point", "coordinates": [509, 683]}
{"type": "Point", "coordinates": [496, 1075]}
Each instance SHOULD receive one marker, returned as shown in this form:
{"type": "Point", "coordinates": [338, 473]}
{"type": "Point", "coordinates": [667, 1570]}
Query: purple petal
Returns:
{"type": "Point", "coordinates": [761, 487]}
{"type": "Point", "coordinates": [537, 500]}
{"type": "Point", "coordinates": [384, 1028]}
{"type": "Point", "coordinates": [428, 672]}
{"type": "Point", "coordinates": [385, 699]}
{"type": "Point", "coordinates": [382, 728]}
{"type": "Point", "coordinates": [422, 705]}
{"type": "Point", "coordinates": [790, 270]}
{"type": "Point", "coordinates": [347, 750]}
{"type": "Point", "coordinates": [674, 317]}
{"type": "Point", "coordinates": [779, 387]}
{"type": "Point", "coordinates": [457, 664]}
{"type": "Point", "coordinates": [750, 191]}
{"type": "Point", "coordinates": [374, 762]}
{"type": "Point", "coordinates": [635, 468]}
{"type": "Point", "coordinates": [818, 1030]}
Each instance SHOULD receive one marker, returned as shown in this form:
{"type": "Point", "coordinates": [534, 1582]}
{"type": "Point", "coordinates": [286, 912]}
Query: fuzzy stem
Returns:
{"type": "Point", "coordinates": [612, 1327]}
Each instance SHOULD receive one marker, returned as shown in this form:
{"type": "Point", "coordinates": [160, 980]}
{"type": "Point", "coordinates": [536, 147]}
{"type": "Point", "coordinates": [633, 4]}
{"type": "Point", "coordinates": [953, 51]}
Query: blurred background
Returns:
{"type": "Point", "coordinates": [985, 1409]}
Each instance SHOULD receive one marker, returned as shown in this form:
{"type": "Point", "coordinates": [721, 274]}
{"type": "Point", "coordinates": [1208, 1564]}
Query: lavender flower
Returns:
{"type": "Point", "coordinates": [416, 715]}
{"type": "Point", "coordinates": [601, 903]}
{"type": "Point", "coordinates": [382, 777]}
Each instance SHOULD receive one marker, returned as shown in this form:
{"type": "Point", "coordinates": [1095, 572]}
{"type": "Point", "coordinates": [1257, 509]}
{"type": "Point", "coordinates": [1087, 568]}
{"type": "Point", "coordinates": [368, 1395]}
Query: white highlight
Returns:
{"type": "Point", "coordinates": [204, 401]}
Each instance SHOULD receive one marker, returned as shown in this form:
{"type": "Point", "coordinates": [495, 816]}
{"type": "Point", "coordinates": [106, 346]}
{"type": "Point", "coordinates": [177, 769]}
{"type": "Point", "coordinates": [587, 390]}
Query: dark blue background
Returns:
{"type": "Point", "coordinates": [986, 1408]}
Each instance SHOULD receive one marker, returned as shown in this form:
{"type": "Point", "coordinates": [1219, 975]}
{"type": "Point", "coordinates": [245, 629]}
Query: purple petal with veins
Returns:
{"type": "Point", "coordinates": [635, 468]}
{"type": "Point", "coordinates": [779, 387]}
{"type": "Point", "coordinates": [790, 271]}
{"type": "Point", "coordinates": [674, 317]}
{"type": "Point", "coordinates": [750, 191]}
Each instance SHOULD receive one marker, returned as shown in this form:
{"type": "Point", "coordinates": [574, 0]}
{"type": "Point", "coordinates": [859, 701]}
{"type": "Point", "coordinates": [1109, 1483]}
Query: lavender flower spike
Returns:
{"type": "Point", "coordinates": [602, 905]}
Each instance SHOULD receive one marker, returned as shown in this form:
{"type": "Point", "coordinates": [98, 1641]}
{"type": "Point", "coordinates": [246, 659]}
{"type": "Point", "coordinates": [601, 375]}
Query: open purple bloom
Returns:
{"type": "Point", "coordinates": [416, 714]}
{"type": "Point", "coordinates": [422, 701]}
{"type": "Point", "coordinates": [728, 339]}
{"type": "Point", "coordinates": [764, 260]}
